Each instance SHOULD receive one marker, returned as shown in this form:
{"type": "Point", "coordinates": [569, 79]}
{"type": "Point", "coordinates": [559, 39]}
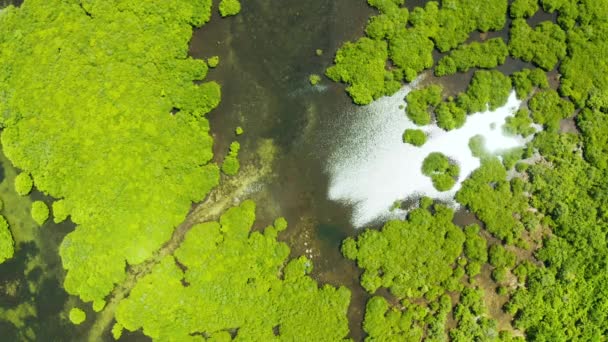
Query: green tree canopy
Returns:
{"type": "Point", "coordinates": [235, 280]}
{"type": "Point", "coordinates": [89, 115]}
{"type": "Point", "coordinates": [7, 244]}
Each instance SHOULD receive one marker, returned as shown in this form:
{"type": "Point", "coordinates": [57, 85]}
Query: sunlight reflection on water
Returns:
{"type": "Point", "coordinates": [371, 167]}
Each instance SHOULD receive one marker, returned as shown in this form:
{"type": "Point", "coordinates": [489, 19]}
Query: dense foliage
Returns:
{"type": "Point", "coordinates": [487, 55]}
{"type": "Point", "coordinates": [225, 279]}
{"type": "Point", "coordinates": [443, 172]}
{"type": "Point", "coordinates": [524, 81]}
{"type": "Point", "coordinates": [409, 257]}
{"type": "Point", "coordinates": [414, 137]}
{"type": "Point", "coordinates": [407, 39]}
{"type": "Point", "coordinates": [7, 248]}
{"type": "Point", "coordinates": [229, 7]}
{"type": "Point", "coordinates": [89, 115]}
{"type": "Point", "coordinates": [544, 45]}
{"type": "Point", "coordinates": [548, 108]}
{"type": "Point", "coordinates": [77, 316]}
{"type": "Point", "coordinates": [231, 164]}
{"type": "Point", "coordinates": [420, 102]}
{"type": "Point", "coordinates": [361, 65]}
{"type": "Point", "coordinates": [487, 90]}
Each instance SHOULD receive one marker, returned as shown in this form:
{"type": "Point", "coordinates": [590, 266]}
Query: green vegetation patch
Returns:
{"type": "Point", "coordinates": [523, 8]}
{"type": "Point", "coordinates": [544, 45]}
{"type": "Point", "coordinates": [229, 7]}
{"type": "Point", "coordinates": [548, 109]}
{"type": "Point", "coordinates": [225, 278]}
{"type": "Point", "coordinates": [77, 316]}
{"type": "Point", "coordinates": [40, 212]}
{"type": "Point", "coordinates": [488, 54]}
{"type": "Point", "coordinates": [7, 245]}
{"type": "Point", "coordinates": [231, 164]}
{"type": "Point", "coordinates": [442, 171]}
{"type": "Point", "coordinates": [420, 102]}
{"type": "Point", "coordinates": [414, 137]}
{"type": "Point", "coordinates": [525, 80]}
{"type": "Point", "coordinates": [494, 200]}
{"type": "Point", "coordinates": [361, 65]}
{"type": "Point", "coordinates": [314, 79]}
{"type": "Point", "coordinates": [487, 90]}
{"type": "Point", "coordinates": [89, 115]}
{"type": "Point", "coordinates": [408, 257]}
{"type": "Point", "coordinates": [23, 184]}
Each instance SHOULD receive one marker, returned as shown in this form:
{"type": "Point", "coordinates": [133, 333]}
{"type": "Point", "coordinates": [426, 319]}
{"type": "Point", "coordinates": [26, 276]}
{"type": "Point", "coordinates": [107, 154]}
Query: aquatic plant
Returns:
{"type": "Point", "coordinates": [23, 184]}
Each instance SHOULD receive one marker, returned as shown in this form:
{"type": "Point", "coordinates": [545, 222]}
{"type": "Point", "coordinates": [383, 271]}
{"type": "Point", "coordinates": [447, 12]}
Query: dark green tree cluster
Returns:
{"type": "Point", "coordinates": [594, 127]}
{"type": "Point", "coordinates": [420, 103]}
{"type": "Point", "coordinates": [544, 45]}
{"type": "Point", "coordinates": [231, 164]}
{"type": "Point", "coordinates": [88, 114]}
{"type": "Point", "coordinates": [410, 257]}
{"type": "Point", "coordinates": [548, 109]}
{"type": "Point", "coordinates": [225, 279]}
{"type": "Point", "coordinates": [583, 73]}
{"type": "Point", "coordinates": [526, 80]}
{"type": "Point", "coordinates": [488, 54]}
{"type": "Point", "coordinates": [7, 245]}
{"type": "Point", "coordinates": [442, 171]}
{"type": "Point", "coordinates": [414, 137]}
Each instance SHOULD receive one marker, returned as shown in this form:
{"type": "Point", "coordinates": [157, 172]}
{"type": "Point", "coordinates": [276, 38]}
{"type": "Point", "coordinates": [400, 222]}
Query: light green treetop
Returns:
{"type": "Point", "coordinates": [235, 279]}
{"type": "Point", "coordinates": [7, 248]}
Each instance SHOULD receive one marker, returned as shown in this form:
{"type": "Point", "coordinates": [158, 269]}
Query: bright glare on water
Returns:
{"type": "Point", "coordinates": [371, 167]}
